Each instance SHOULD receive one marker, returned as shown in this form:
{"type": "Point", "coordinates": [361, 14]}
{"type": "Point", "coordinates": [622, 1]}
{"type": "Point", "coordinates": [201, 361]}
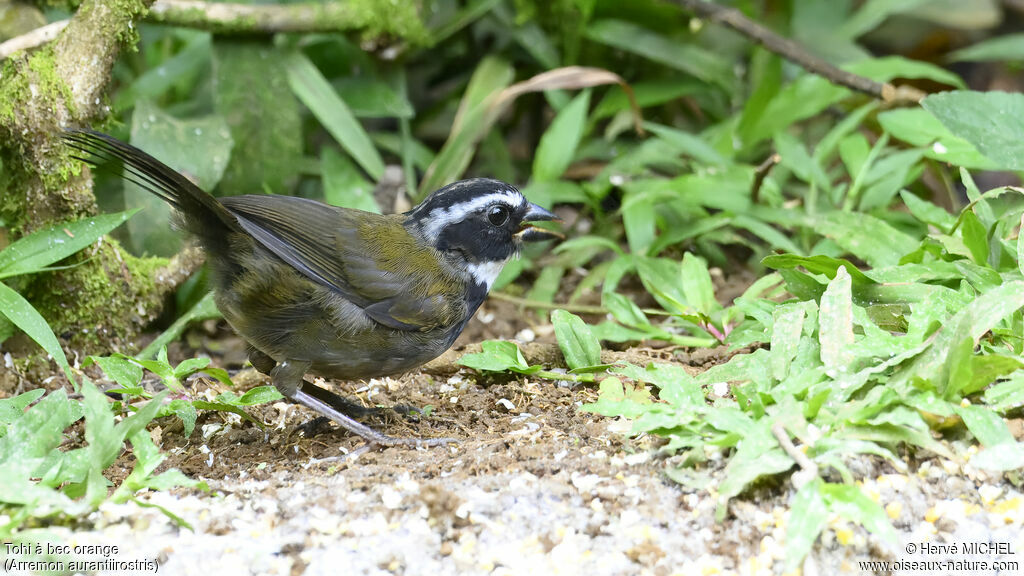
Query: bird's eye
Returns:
{"type": "Point", "coordinates": [498, 215]}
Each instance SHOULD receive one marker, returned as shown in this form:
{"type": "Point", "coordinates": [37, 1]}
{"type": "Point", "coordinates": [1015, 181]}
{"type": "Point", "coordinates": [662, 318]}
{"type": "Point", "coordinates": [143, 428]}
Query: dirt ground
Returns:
{"type": "Point", "coordinates": [535, 485]}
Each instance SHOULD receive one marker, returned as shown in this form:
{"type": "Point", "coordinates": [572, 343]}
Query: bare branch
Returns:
{"type": "Point", "coordinates": [794, 52]}
{"type": "Point", "coordinates": [32, 39]}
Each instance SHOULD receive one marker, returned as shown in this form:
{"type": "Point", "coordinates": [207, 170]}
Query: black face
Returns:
{"type": "Point", "coordinates": [482, 220]}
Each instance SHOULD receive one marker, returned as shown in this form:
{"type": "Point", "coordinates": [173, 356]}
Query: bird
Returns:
{"type": "Point", "coordinates": [339, 292]}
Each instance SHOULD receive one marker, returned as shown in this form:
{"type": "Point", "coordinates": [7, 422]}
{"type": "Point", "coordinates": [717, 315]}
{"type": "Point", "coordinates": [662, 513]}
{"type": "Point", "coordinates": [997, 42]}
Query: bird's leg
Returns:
{"type": "Point", "coordinates": [265, 365]}
{"type": "Point", "coordinates": [287, 378]}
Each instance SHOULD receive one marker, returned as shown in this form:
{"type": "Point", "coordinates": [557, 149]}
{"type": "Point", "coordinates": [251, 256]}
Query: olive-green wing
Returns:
{"type": "Point", "coordinates": [369, 259]}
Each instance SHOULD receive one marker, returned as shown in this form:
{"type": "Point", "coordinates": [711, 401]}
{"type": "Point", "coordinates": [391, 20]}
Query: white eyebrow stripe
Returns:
{"type": "Point", "coordinates": [441, 217]}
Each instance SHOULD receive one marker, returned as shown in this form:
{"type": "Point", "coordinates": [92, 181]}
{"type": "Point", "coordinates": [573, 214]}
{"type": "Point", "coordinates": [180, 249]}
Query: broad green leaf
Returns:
{"type": "Point", "coordinates": [695, 281]}
{"type": "Point", "coordinates": [558, 144]}
{"type": "Point", "coordinates": [475, 118]}
{"type": "Point", "coordinates": [647, 93]}
{"type": "Point", "coordinates": [579, 346]}
{"type": "Point", "coordinates": [616, 398]}
{"type": "Point", "coordinates": [260, 395]}
{"type": "Point", "coordinates": [497, 356]}
{"type": "Point", "coordinates": [919, 128]}
{"type": "Point", "coordinates": [200, 148]}
{"type": "Point", "coordinates": [808, 515]}
{"type": "Point", "coordinates": [368, 98]}
{"type": "Point", "coordinates": [126, 373]}
{"type": "Point", "coordinates": [927, 212]}
{"type": "Point", "coordinates": [890, 67]}
{"type": "Point", "coordinates": [867, 237]}
{"type": "Point", "coordinates": [975, 237]}
{"type": "Point", "coordinates": [265, 123]}
{"type": "Point", "coordinates": [992, 121]}
{"type": "Point", "coordinates": [973, 321]}
{"type": "Point", "coordinates": [686, 57]}
{"type": "Point", "coordinates": [1007, 47]}
{"type": "Point", "coordinates": [344, 185]}
{"type": "Point", "coordinates": [182, 68]}
{"type": "Point", "coordinates": [13, 408]}
{"type": "Point", "coordinates": [835, 319]}
{"type": "Point", "coordinates": [817, 265]}
{"type": "Point", "coordinates": [848, 501]}
{"type": "Point", "coordinates": [310, 86]}
{"type": "Point", "coordinates": [24, 316]}
{"type": "Point", "coordinates": [986, 426]}
{"type": "Point", "coordinates": [805, 97]}
{"type": "Point", "coordinates": [687, 143]}
{"type": "Point", "coordinates": [660, 277]}
{"type": "Point", "coordinates": [44, 247]}
{"type": "Point", "coordinates": [787, 327]}
{"type": "Point", "coordinates": [795, 157]}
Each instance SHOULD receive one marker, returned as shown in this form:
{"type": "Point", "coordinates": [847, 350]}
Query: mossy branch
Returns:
{"type": "Point", "coordinates": [374, 18]}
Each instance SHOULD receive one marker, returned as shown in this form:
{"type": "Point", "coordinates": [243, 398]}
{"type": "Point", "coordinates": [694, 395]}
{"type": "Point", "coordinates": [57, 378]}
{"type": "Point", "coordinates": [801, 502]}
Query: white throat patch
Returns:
{"type": "Point", "coordinates": [441, 217]}
{"type": "Point", "coordinates": [485, 273]}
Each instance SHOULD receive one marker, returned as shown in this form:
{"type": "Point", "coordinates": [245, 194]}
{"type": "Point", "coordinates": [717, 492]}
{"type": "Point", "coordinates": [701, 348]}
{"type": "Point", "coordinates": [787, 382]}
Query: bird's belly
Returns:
{"type": "Point", "coordinates": [295, 319]}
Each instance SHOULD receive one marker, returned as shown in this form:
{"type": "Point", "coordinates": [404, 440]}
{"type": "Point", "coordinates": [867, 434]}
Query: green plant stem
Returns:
{"type": "Point", "coordinates": [574, 308]}
{"type": "Point", "coordinates": [590, 378]}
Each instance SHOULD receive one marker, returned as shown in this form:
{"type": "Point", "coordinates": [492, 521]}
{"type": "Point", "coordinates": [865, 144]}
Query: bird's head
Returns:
{"type": "Point", "coordinates": [481, 222]}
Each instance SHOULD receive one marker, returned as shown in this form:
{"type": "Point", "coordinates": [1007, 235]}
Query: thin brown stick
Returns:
{"type": "Point", "coordinates": [760, 174]}
{"type": "Point", "coordinates": [808, 467]}
{"type": "Point", "coordinates": [794, 52]}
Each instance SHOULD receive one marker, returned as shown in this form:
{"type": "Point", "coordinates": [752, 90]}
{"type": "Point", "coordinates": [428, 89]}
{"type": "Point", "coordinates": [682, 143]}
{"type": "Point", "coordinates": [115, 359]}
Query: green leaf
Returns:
{"type": "Point", "coordinates": [310, 86]}
{"type": "Point", "coordinates": [126, 373]}
{"type": "Point", "coordinates": [975, 237]}
{"type": "Point", "coordinates": [24, 316]}
{"type": "Point", "coordinates": [660, 277]}
{"type": "Point", "coordinates": [867, 237]}
{"type": "Point", "coordinates": [992, 121]}
{"type": "Point", "coordinates": [260, 395]}
{"type": "Point", "coordinates": [616, 398]}
{"type": "Point", "coordinates": [558, 144]}
{"type": "Point", "coordinates": [848, 501]}
{"type": "Point", "coordinates": [180, 69]}
{"type": "Point", "coordinates": [683, 56]}
{"type": "Point", "coordinates": [787, 327]}
{"type": "Point", "coordinates": [985, 425]}
{"type": "Point", "coordinates": [973, 321]}
{"type": "Point", "coordinates": [198, 147]}
{"type": "Point", "coordinates": [265, 123]}
{"type": "Point", "coordinates": [344, 185]}
{"type": "Point", "coordinates": [1007, 47]}
{"type": "Point", "coordinates": [43, 247]}
{"type": "Point", "coordinates": [13, 408]}
{"type": "Point", "coordinates": [817, 265]}
{"type": "Point", "coordinates": [497, 356]}
{"type": "Point", "coordinates": [474, 120]}
{"type": "Point", "coordinates": [808, 515]}
{"type": "Point", "coordinates": [369, 98]}
{"type": "Point", "coordinates": [579, 346]}
{"type": "Point", "coordinates": [919, 128]}
{"type": "Point", "coordinates": [185, 411]}
{"type": "Point", "coordinates": [891, 67]}
{"type": "Point", "coordinates": [695, 281]}
{"type": "Point", "coordinates": [835, 319]}
{"type": "Point", "coordinates": [927, 212]}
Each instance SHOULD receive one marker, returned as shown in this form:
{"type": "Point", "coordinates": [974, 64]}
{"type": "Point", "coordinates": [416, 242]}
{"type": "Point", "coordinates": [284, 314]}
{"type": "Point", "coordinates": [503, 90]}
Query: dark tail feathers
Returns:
{"type": "Point", "coordinates": [201, 213]}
